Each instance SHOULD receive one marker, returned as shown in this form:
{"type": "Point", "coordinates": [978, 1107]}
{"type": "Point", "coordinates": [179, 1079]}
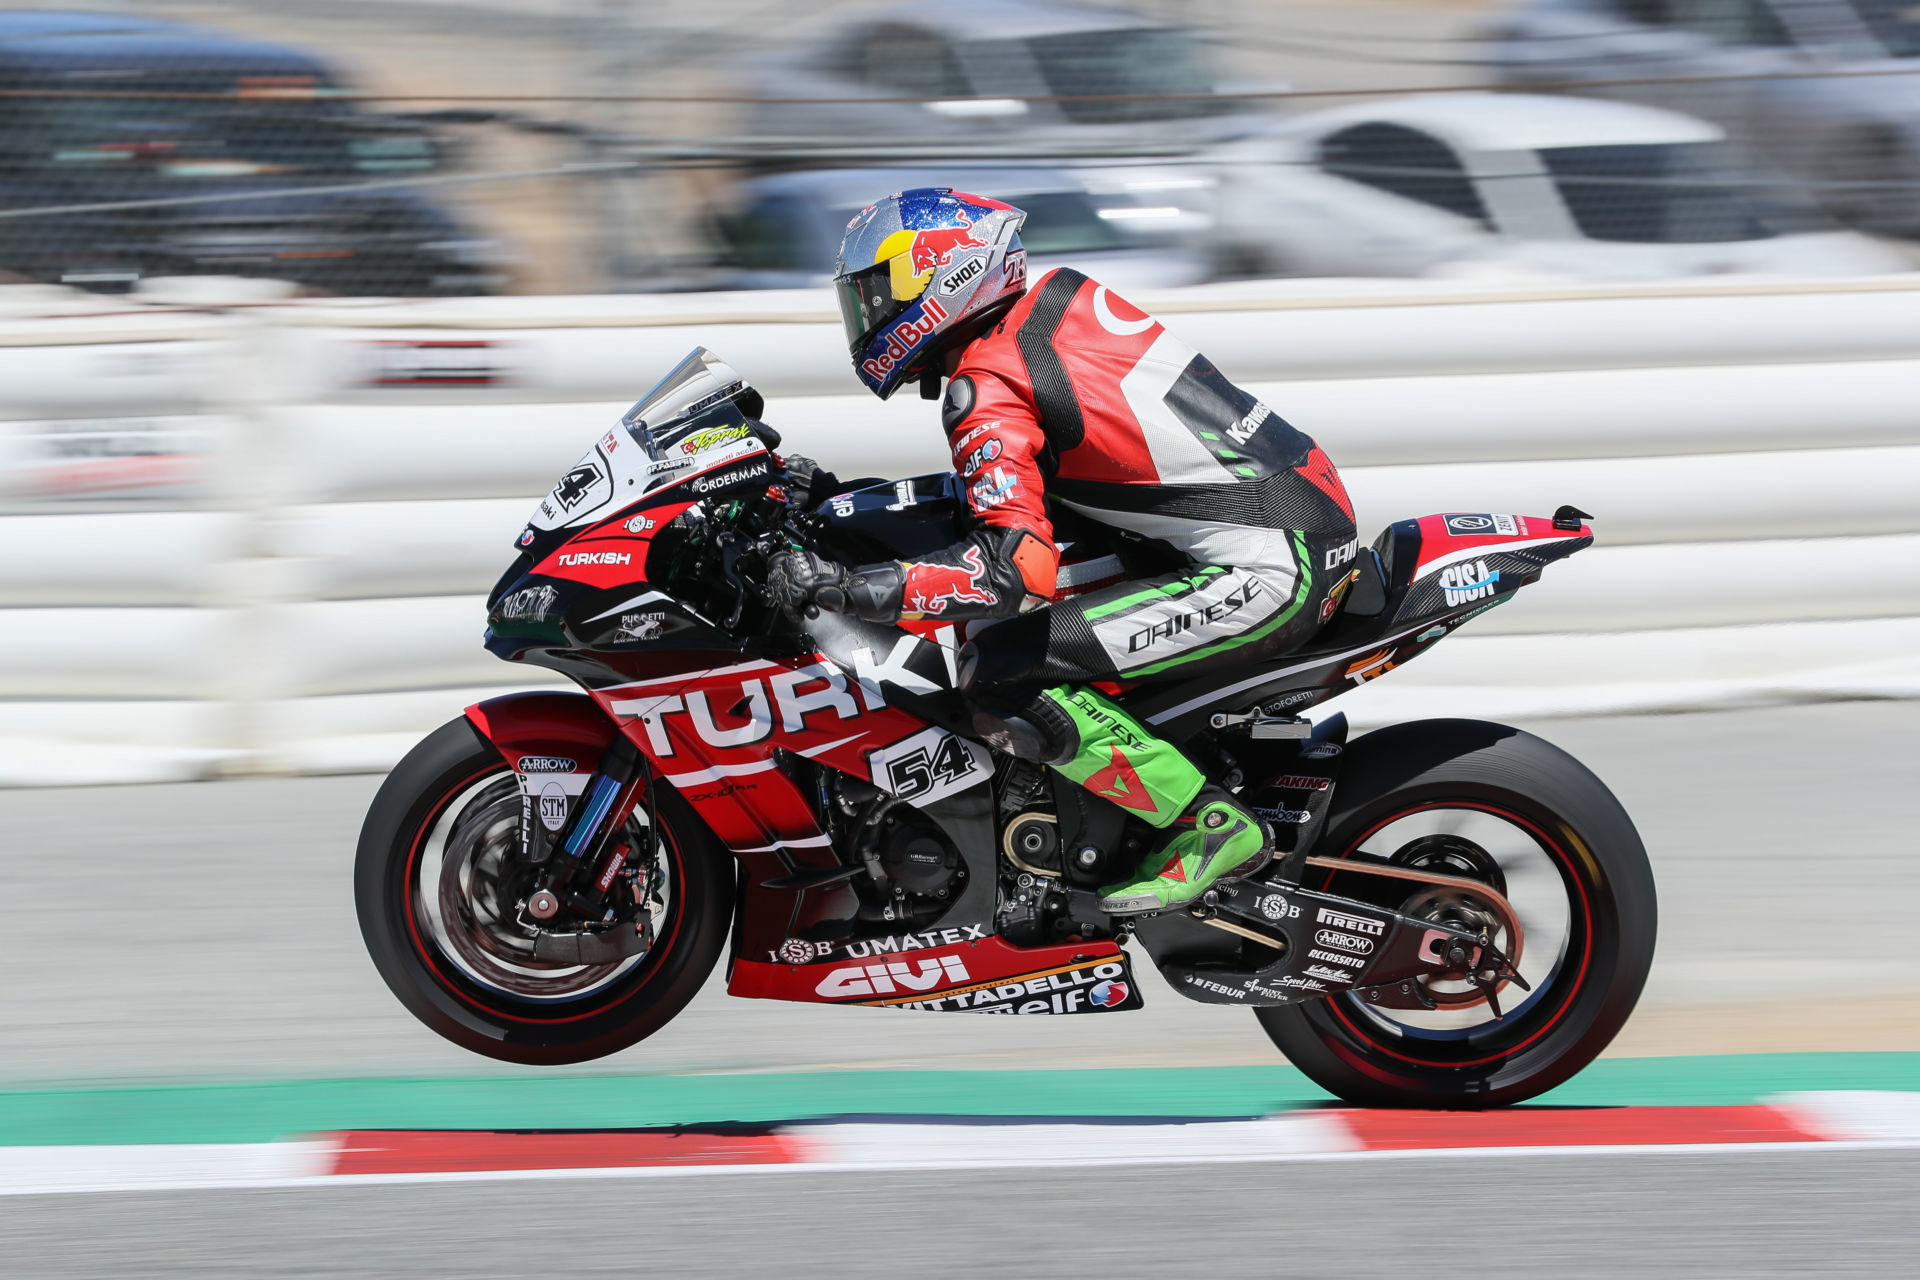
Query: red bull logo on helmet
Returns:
{"type": "Point", "coordinates": [904, 337]}
{"type": "Point", "coordinates": [935, 248]}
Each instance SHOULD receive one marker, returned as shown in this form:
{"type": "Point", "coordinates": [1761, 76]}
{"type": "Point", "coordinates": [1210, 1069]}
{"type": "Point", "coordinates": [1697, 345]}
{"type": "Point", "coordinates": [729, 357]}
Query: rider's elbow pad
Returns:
{"type": "Point", "coordinates": [873, 591]}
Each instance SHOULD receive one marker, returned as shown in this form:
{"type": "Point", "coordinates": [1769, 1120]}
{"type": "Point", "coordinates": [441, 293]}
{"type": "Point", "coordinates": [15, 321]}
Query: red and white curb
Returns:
{"type": "Point", "coordinates": [1849, 1120]}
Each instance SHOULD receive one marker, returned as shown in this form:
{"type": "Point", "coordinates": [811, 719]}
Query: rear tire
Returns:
{"type": "Point", "coordinates": [1533, 786]}
{"type": "Point", "coordinates": [456, 771]}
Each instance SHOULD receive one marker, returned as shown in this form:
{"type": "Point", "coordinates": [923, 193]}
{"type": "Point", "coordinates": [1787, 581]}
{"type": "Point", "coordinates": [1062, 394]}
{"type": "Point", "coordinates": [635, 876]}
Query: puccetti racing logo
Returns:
{"type": "Point", "coordinates": [1355, 924]}
{"type": "Point", "coordinates": [576, 558]}
{"type": "Point", "coordinates": [713, 438]}
{"type": "Point", "coordinates": [1180, 621]}
{"type": "Point", "coordinates": [1467, 581]}
{"type": "Point", "coordinates": [641, 626]}
{"type": "Point", "coordinates": [893, 976]}
{"type": "Point", "coordinates": [1086, 989]}
{"type": "Point", "coordinates": [903, 339]}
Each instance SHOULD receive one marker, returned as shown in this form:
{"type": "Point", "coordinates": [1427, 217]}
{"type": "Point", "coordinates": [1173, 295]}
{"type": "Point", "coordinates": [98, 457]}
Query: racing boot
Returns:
{"type": "Point", "coordinates": [1093, 741]}
{"type": "Point", "coordinates": [1217, 837]}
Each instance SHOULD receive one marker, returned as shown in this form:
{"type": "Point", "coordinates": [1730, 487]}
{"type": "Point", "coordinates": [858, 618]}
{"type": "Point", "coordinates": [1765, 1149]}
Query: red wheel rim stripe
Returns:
{"type": "Point", "coordinates": [1586, 950]}
{"type": "Point", "coordinates": [426, 953]}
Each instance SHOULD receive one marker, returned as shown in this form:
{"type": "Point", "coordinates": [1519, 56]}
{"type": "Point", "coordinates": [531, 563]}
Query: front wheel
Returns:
{"type": "Point", "coordinates": [1484, 802]}
{"type": "Point", "coordinates": [439, 887]}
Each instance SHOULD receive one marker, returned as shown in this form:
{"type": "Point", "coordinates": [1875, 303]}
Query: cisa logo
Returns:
{"type": "Point", "coordinates": [895, 975]}
{"type": "Point", "coordinates": [1468, 581]}
{"type": "Point", "coordinates": [1107, 995]}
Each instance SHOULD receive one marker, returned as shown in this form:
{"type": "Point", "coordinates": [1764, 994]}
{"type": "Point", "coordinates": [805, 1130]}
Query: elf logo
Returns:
{"type": "Point", "coordinates": [895, 975]}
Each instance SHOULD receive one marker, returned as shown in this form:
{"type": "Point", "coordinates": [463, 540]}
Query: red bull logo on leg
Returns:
{"type": "Point", "coordinates": [929, 587]}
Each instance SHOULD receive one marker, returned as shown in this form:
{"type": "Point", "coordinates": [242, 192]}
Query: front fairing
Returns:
{"type": "Point", "coordinates": [699, 416]}
{"type": "Point", "coordinates": [625, 517]}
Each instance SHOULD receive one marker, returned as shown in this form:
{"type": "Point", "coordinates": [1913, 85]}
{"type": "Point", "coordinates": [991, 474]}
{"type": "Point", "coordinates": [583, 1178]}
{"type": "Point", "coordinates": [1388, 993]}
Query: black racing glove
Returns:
{"type": "Point", "coordinates": [797, 579]}
{"type": "Point", "coordinates": [811, 483]}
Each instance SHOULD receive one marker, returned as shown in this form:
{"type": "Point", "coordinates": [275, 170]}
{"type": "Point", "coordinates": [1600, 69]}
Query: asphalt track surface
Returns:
{"type": "Point", "coordinates": [227, 946]}
{"type": "Point", "coordinates": [231, 952]}
{"type": "Point", "coordinates": [1746, 1214]}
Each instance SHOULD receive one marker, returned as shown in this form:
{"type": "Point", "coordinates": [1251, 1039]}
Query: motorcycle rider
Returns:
{"type": "Point", "coordinates": [1066, 404]}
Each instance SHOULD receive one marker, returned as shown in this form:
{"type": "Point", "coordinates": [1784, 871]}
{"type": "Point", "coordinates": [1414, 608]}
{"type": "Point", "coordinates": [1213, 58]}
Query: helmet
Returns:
{"type": "Point", "coordinates": [921, 270]}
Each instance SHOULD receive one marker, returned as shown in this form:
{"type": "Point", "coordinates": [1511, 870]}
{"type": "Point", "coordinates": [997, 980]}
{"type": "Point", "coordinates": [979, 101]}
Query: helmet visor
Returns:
{"type": "Point", "coordinates": [867, 302]}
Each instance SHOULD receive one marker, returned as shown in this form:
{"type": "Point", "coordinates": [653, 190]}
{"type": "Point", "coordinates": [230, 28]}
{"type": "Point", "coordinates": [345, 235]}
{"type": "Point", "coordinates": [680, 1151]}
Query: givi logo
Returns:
{"type": "Point", "coordinates": [884, 979]}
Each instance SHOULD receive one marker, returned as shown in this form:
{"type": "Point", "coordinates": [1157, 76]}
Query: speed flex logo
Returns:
{"type": "Point", "coordinates": [893, 976]}
{"type": "Point", "coordinates": [1468, 581]}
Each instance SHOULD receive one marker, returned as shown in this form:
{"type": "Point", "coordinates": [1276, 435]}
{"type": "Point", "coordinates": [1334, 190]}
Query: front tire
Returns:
{"type": "Point", "coordinates": [446, 818]}
{"type": "Point", "coordinates": [1454, 774]}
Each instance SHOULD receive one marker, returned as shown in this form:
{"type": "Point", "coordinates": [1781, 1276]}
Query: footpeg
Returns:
{"type": "Point", "coordinates": [1257, 724]}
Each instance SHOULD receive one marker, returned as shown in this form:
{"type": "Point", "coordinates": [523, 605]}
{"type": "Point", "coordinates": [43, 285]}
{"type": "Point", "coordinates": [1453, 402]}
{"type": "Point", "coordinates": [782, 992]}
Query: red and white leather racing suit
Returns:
{"type": "Point", "coordinates": [1080, 400]}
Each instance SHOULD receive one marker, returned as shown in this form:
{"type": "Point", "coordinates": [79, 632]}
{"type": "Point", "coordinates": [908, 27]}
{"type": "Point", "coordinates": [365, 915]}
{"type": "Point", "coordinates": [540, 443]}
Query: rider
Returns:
{"type": "Point", "coordinates": [1064, 404]}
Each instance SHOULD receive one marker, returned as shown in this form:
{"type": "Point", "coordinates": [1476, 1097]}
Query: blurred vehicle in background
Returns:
{"type": "Point", "coordinates": [993, 70]}
{"type": "Point", "coordinates": [1815, 87]}
{"type": "Point", "coordinates": [783, 231]}
{"type": "Point", "coordinates": [1551, 185]}
{"type": "Point", "coordinates": [223, 156]}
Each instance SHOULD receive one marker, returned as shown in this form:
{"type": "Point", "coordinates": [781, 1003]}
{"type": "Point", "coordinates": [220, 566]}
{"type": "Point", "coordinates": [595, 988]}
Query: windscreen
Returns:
{"type": "Point", "coordinates": [701, 382]}
{"type": "Point", "coordinates": [700, 415]}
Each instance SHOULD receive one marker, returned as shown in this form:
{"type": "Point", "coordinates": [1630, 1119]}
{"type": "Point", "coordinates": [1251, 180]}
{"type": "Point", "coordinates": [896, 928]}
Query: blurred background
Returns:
{"type": "Point", "coordinates": [303, 306]}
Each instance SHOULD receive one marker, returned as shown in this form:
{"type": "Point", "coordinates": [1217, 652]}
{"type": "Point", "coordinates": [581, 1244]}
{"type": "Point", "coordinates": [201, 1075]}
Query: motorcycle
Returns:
{"type": "Point", "coordinates": [1458, 914]}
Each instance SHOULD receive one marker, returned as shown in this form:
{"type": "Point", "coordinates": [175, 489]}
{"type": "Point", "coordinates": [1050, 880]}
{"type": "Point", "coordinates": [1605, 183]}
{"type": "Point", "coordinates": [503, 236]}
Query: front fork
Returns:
{"type": "Point", "coordinates": [581, 863]}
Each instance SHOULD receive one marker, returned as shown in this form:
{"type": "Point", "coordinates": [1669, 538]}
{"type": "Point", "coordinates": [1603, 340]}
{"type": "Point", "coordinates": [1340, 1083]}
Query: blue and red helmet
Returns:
{"type": "Point", "coordinates": [920, 269]}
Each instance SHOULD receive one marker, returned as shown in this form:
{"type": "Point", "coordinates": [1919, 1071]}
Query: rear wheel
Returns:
{"type": "Point", "coordinates": [440, 889]}
{"type": "Point", "coordinates": [1482, 802]}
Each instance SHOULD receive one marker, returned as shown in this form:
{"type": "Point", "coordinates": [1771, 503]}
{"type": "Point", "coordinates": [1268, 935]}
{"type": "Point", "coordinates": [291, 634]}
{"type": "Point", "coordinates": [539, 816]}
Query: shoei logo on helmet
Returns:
{"type": "Point", "coordinates": [904, 338]}
{"type": "Point", "coordinates": [912, 255]}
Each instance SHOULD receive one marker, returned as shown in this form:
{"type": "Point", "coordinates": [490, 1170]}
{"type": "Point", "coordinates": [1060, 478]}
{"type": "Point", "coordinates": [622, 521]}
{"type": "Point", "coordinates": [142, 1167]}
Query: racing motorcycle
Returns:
{"type": "Point", "coordinates": [1458, 914]}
